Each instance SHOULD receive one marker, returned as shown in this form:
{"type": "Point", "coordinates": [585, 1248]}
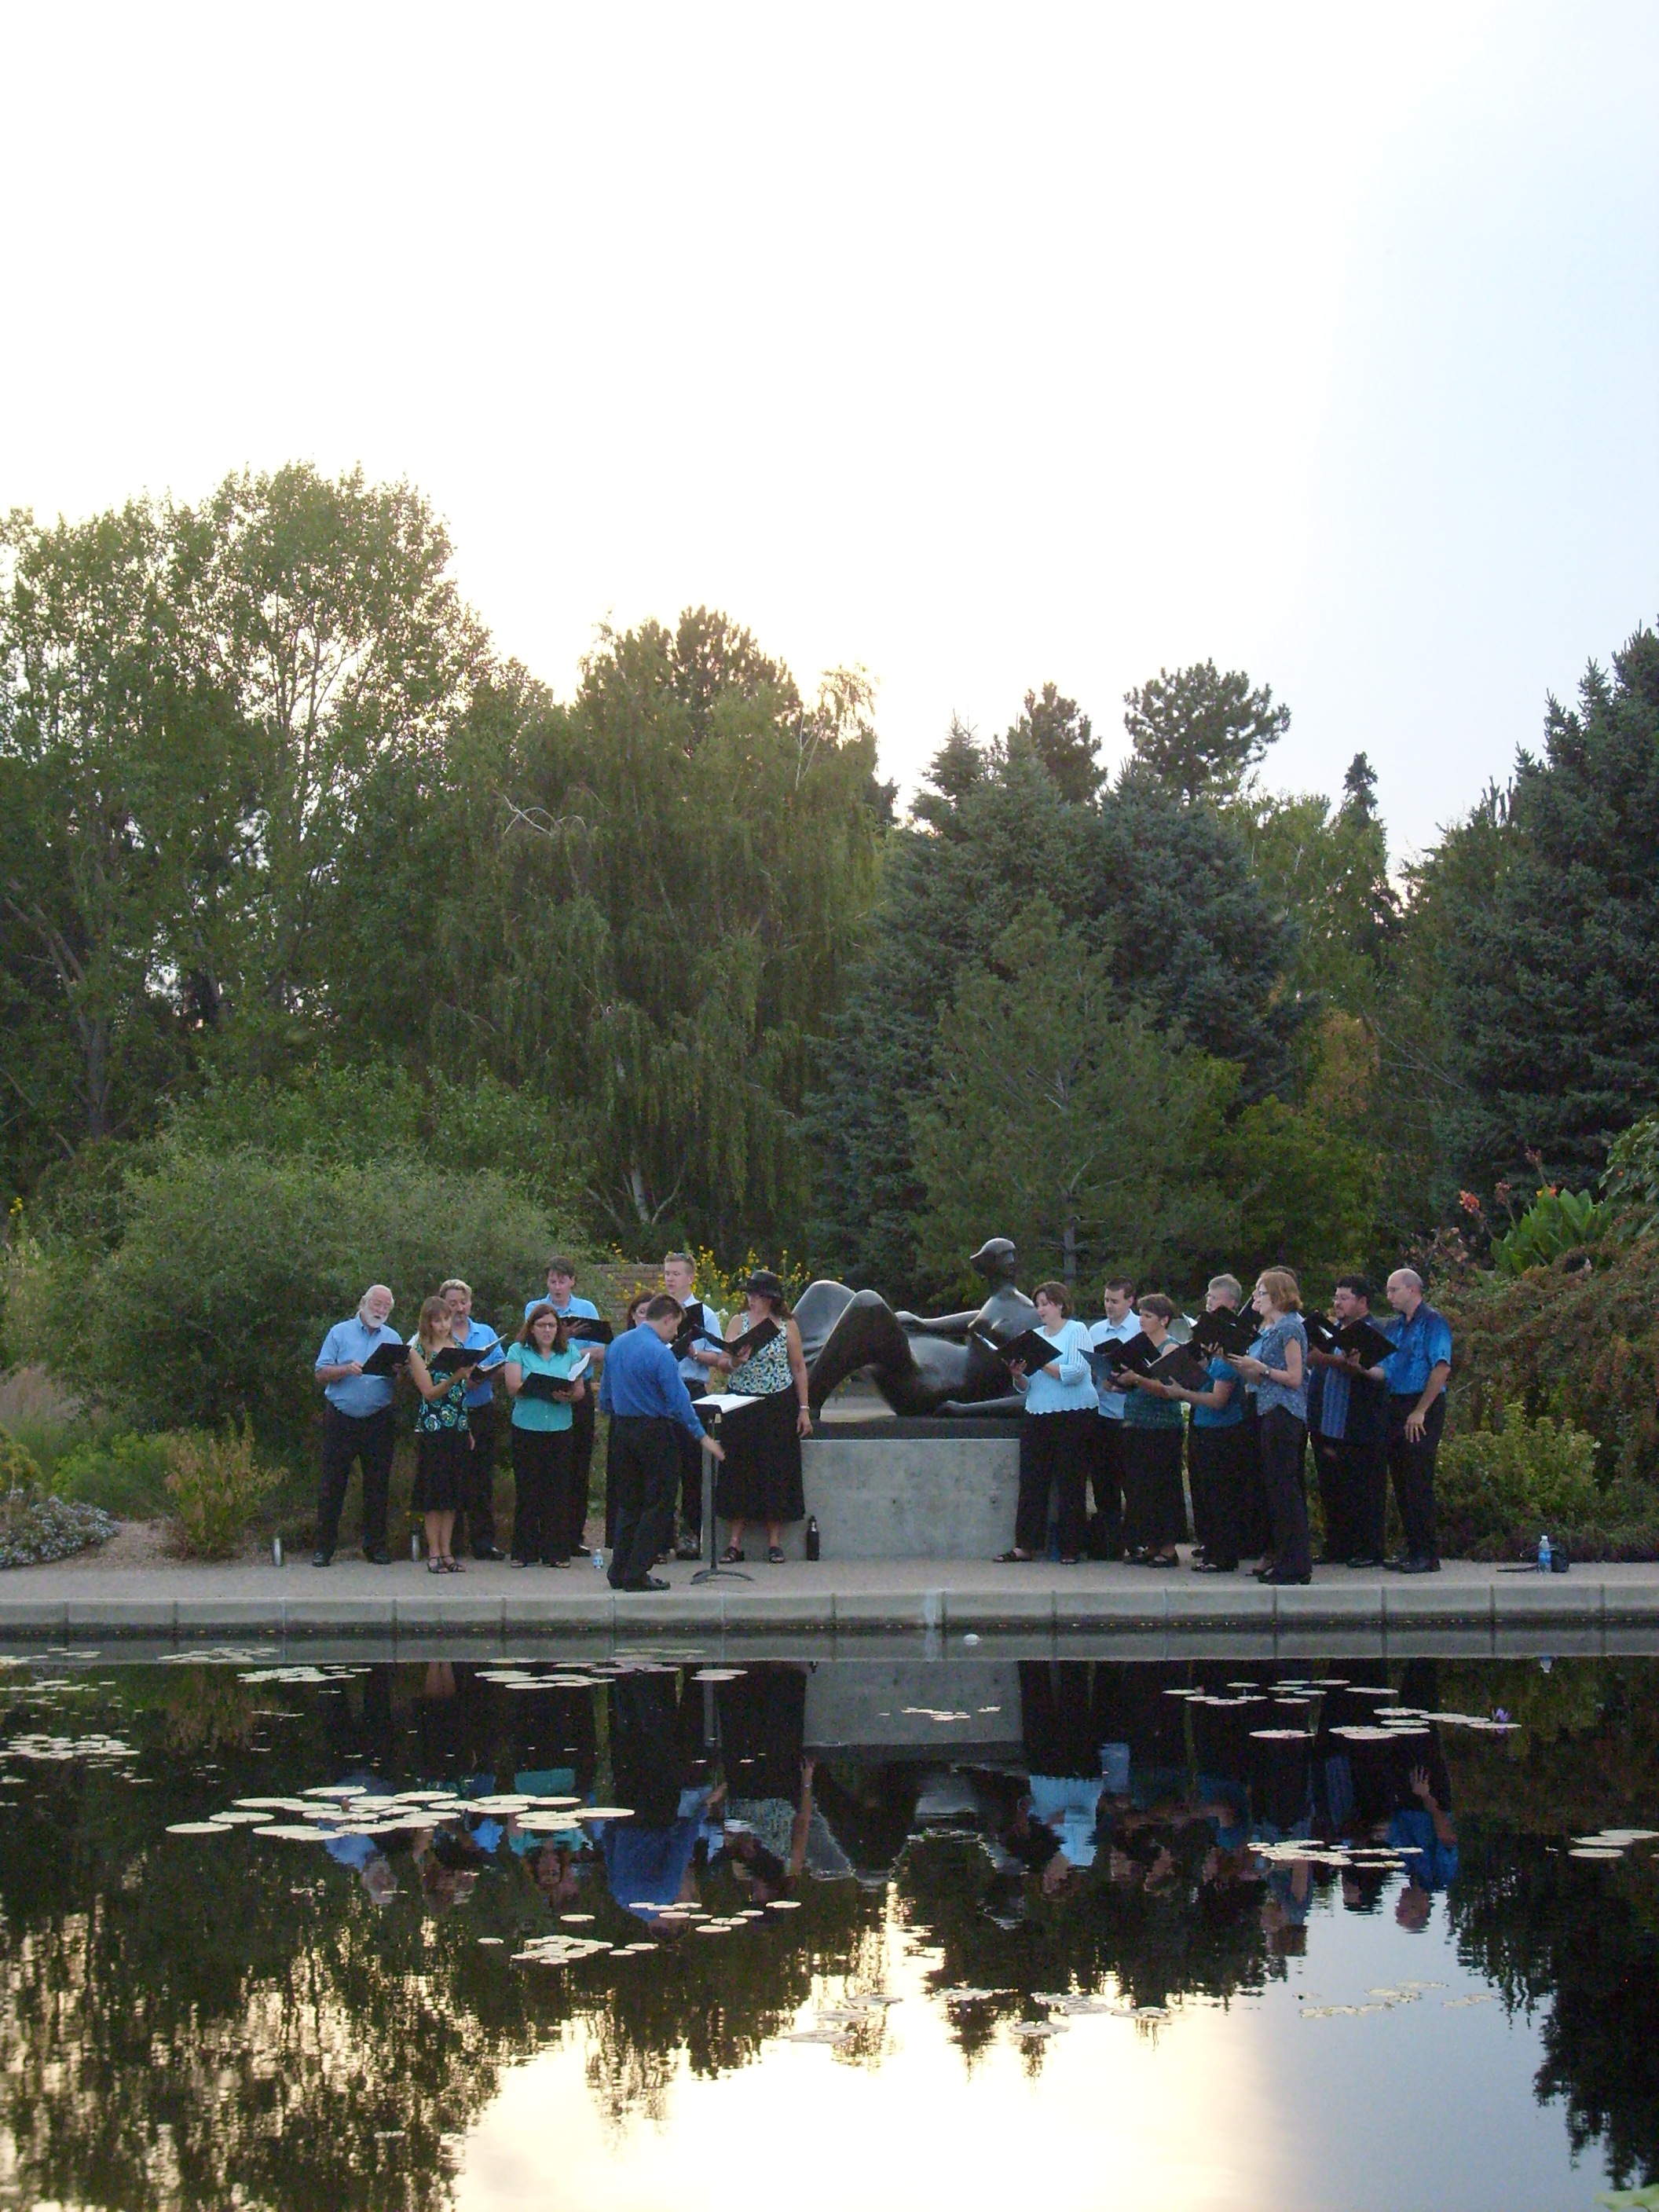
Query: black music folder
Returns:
{"type": "Point", "coordinates": [386, 1359]}
{"type": "Point", "coordinates": [552, 1388]}
{"type": "Point", "coordinates": [1354, 1340]}
{"type": "Point", "coordinates": [1224, 1331]}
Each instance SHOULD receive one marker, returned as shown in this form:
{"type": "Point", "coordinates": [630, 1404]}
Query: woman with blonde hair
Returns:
{"type": "Point", "coordinates": [1275, 1372]}
{"type": "Point", "coordinates": [442, 1440]}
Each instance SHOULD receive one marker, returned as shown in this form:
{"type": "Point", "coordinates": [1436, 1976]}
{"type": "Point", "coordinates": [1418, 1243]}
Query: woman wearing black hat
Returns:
{"type": "Point", "coordinates": [760, 1476]}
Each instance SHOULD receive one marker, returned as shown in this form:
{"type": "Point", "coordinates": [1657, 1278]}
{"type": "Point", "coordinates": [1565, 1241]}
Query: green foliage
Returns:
{"type": "Point", "coordinates": [1200, 733]}
{"type": "Point", "coordinates": [215, 1483]}
{"type": "Point", "coordinates": [126, 1475]}
{"type": "Point", "coordinates": [1521, 1479]}
{"type": "Point", "coordinates": [1060, 1121]}
{"type": "Point", "coordinates": [1579, 1344]}
{"type": "Point", "coordinates": [18, 1467]}
{"type": "Point", "coordinates": [1558, 1222]}
{"type": "Point", "coordinates": [1551, 967]}
{"type": "Point", "coordinates": [1630, 1184]}
{"type": "Point", "coordinates": [231, 1266]}
{"type": "Point", "coordinates": [1305, 1185]}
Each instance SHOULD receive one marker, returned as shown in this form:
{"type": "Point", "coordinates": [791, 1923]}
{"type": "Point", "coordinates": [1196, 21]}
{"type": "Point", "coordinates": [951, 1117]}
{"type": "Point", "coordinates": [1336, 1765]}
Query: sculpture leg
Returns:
{"type": "Point", "coordinates": [867, 1333]}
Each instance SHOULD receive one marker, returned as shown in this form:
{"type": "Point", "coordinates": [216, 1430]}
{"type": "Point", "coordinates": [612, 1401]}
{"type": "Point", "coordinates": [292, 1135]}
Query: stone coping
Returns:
{"type": "Point", "coordinates": [1593, 1608]}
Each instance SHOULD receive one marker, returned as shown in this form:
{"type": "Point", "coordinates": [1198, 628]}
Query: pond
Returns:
{"type": "Point", "coordinates": [638, 1929]}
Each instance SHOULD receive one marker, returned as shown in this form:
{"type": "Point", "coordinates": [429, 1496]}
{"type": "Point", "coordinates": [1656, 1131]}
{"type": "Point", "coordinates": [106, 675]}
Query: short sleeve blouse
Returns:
{"type": "Point", "coordinates": [1270, 1349]}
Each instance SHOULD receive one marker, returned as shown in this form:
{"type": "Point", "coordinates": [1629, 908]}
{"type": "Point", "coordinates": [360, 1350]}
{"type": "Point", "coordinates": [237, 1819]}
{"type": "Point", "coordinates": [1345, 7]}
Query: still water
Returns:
{"type": "Point", "coordinates": [647, 1930]}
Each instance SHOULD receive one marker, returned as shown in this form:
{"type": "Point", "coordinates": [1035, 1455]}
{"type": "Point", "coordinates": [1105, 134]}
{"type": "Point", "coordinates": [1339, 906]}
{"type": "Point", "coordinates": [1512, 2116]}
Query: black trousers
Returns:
{"type": "Point", "coordinates": [542, 1463]}
{"type": "Point", "coordinates": [1215, 1469]}
{"type": "Point", "coordinates": [1411, 1466]}
{"type": "Point", "coordinates": [690, 1453]}
{"type": "Point", "coordinates": [1058, 1449]}
{"type": "Point", "coordinates": [478, 1506]}
{"type": "Point", "coordinates": [1155, 1505]}
{"type": "Point", "coordinates": [645, 1466]}
{"type": "Point", "coordinates": [1106, 1479]}
{"type": "Point", "coordinates": [1353, 1492]}
{"type": "Point", "coordinates": [369, 1439]}
{"type": "Point", "coordinates": [1280, 1439]}
{"type": "Point", "coordinates": [582, 1433]}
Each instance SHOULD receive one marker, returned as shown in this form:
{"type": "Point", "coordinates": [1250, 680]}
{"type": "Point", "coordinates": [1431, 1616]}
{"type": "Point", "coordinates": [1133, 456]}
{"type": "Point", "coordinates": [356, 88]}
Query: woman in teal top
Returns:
{"type": "Point", "coordinates": [543, 1435]}
{"type": "Point", "coordinates": [1155, 1515]}
{"type": "Point", "coordinates": [1056, 1432]}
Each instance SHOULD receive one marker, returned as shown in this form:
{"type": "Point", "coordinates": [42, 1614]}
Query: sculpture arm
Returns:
{"type": "Point", "coordinates": [955, 1324]}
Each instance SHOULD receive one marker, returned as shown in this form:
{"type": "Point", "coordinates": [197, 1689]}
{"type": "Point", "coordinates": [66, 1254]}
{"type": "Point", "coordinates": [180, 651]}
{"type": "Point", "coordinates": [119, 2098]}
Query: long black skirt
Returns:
{"type": "Point", "coordinates": [441, 1469]}
{"type": "Point", "coordinates": [759, 1479]}
{"type": "Point", "coordinates": [1155, 1505]}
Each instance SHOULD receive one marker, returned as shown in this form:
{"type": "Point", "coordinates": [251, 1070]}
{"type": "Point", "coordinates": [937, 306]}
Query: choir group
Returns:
{"type": "Point", "coordinates": [1142, 1409]}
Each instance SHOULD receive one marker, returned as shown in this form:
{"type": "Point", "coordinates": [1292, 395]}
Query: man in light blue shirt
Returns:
{"type": "Point", "coordinates": [646, 1402]}
{"type": "Point", "coordinates": [1105, 1534]}
{"type": "Point", "coordinates": [478, 1336]}
{"type": "Point", "coordinates": [1417, 1373]}
{"type": "Point", "coordinates": [356, 1424]}
{"type": "Point", "coordinates": [560, 1295]}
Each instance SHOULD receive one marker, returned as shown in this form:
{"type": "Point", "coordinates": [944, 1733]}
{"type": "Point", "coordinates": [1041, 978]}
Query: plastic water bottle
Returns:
{"type": "Point", "coordinates": [599, 1560]}
{"type": "Point", "coordinates": [1543, 1555]}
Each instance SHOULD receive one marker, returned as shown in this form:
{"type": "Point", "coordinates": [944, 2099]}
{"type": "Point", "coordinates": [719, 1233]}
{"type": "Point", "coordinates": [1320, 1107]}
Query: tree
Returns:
{"type": "Point", "coordinates": [1058, 1120]}
{"type": "Point", "coordinates": [1327, 870]}
{"type": "Point", "coordinates": [1062, 737]}
{"type": "Point", "coordinates": [1200, 733]}
{"type": "Point", "coordinates": [1552, 968]}
{"type": "Point", "coordinates": [123, 791]}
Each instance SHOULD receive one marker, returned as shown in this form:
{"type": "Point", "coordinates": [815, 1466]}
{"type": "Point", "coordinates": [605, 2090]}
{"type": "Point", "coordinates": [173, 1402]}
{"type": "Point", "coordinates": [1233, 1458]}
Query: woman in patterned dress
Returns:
{"type": "Point", "coordinates": [442, 1440]}
{"type": "Point", "coordinates": [760, 1476]}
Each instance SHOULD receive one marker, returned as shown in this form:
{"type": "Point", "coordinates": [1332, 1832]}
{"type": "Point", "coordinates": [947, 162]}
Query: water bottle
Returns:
{"type": "Point", "coordinates": [1543, 1555]}
{"type": "Point", "coordinates": [813, 1540]}
{"type": "Point", "coordinates": [276, 1551]}
{"type": "Point", "coordinates": [599, 1560]}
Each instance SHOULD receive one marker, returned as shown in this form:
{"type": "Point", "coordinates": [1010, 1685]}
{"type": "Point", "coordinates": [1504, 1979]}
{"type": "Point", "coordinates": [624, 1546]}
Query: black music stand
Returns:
{"type": "Point", "coordinates": [714, 1572]}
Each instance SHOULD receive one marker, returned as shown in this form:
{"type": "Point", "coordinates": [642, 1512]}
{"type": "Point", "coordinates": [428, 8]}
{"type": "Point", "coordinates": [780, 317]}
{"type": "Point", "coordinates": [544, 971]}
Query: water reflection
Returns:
{"type": "Point", "coordinates": [667, 1870]}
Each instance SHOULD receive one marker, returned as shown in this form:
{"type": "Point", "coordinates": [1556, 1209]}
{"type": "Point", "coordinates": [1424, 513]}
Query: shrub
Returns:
{"type": "Point", "coordinates": [1515, 1482]}
{"type": "Point", "coordinates": [1557, 1223]}
{"type": "Point", "coordinates": [230, 1265]}
{"type": "Point", "coordinates": [215, 1484]}
{"type": "Point", "coordinates": [127, 1476]}
{"type": "Point", "coordinates": [18, 1468]}
{"type": "Point", "coordinates": [39, 1414]}
{"type": "Point", "coordinates": [34, 1529]}
{"type": "Point", "coordinates": [1630, 1184]}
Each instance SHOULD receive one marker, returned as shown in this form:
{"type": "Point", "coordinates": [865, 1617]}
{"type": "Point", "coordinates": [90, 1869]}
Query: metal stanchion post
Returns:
{"type": "Point", "coordinates": [714, 1572]}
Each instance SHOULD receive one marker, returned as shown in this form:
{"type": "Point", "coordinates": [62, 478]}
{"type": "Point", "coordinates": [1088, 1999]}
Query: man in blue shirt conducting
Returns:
{"type": "Point", "coordinates": [357, 1423]}
{"type": "Point", "coordinates": [643, 1392]}
{"type": "Point", "coordinates": [1417, 1373]}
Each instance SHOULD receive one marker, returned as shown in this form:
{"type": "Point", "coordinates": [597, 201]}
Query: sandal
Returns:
{"type": "Point", "coordinates": [434, 1566]}
{"type": "Point", "coordinates": [453, 1567]}
{"type": "Point", "coordinates": [775, 1555]}
{"type": "Point", "coordinates": [731, 1557]}
{"type": "Point", "coordinates": [1014, 1558]}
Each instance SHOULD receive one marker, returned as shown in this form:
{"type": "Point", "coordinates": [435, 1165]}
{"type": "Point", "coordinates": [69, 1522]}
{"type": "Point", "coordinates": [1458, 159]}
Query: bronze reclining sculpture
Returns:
{"type": "Point", "coordinates": [920, 1366]}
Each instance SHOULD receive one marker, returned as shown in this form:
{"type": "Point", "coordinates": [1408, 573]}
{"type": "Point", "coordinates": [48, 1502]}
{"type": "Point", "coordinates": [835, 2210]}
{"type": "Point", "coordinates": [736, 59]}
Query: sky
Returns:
{"type": "Point", "coordinates": [976, 347]}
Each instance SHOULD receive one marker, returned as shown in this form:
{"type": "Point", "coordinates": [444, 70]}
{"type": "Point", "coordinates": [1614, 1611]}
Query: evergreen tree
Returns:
{"type": "Point", "coordinates": [1060, 735]}
{"type": "Point", "coordinates": [1551, 971]}
{"type": "Point", "coordinates": [1200, 733]}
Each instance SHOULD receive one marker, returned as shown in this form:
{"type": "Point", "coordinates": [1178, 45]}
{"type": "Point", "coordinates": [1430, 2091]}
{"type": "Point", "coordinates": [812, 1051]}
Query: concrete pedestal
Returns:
{"type": "Point", "coordinates": [914, 1497]}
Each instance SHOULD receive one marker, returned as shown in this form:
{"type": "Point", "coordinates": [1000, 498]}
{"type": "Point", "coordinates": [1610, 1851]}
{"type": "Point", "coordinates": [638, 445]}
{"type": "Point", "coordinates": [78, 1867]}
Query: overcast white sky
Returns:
{"type": "Point", "coordinates": [977, 346]}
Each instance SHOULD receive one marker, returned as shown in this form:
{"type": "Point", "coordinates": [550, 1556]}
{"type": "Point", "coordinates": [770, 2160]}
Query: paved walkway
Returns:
{"type": "Point", "coordinates": [165, 1601]}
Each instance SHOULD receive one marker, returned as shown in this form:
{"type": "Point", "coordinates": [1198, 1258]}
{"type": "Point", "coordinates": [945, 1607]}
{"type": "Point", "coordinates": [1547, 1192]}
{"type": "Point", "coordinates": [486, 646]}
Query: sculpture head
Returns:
{"type": "Point", "coordinates": [995, 1260]}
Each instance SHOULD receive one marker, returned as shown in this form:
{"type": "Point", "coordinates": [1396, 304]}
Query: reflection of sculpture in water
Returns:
{"type": "Point", "coordinates": [920, 1366]}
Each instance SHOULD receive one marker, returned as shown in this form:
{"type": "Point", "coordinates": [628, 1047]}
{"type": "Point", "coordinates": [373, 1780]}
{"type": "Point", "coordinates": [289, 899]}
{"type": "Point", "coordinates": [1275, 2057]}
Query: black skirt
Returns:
{"type": "Point", "coordinates": [1155, 1506]}
{"type": "Point", "coordinates": [441, 1458]}
{"type": "Point", "coordinates": [759, 1479]}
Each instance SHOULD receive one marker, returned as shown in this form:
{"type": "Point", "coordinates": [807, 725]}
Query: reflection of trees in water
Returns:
{"type": "Point", "coordinates": [1576, 1940]}
{"type": "Point", "coordinates": [189, 2021]}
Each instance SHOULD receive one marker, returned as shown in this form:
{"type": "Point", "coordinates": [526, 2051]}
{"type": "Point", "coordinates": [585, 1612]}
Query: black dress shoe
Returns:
{"type": "Point", "coordinates": [1215, 1566]}
{"type": "Point", "coordinates": [1420, 1566]}
{"type": "Point", "coordinates": [1286, 1582]}
{"type": "Point", "coordinates": [1265, 1573]}
{"type": "Point", "coordinates": [381, 1558]}
{"type": "Point", "coordinates": [322, 1558]}
{"type": "Point", "coordinates": [1368, 1559]}
{"type": "Point", "coordinates": [651, 1582]}
{"type": "Point", "coordinates": [489, 1552]}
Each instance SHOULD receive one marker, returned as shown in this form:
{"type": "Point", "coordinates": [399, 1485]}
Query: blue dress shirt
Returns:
{"type": "Point", "coordinates": [640, 1380]}
{"type": "Point", "coordinates": [1420, 1344]}
{"type": "Point", "coordinates": [356, 1395]}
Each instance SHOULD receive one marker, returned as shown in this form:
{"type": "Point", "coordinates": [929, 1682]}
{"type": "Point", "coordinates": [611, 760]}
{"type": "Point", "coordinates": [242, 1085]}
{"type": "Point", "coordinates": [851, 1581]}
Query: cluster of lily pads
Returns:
{"type": "Point", "coordinates": [340, 1808]}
